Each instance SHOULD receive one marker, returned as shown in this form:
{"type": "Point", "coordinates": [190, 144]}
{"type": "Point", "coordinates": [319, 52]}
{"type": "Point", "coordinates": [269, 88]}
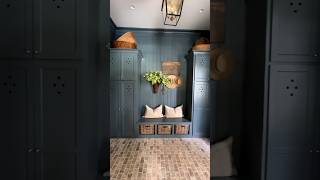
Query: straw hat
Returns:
{"type": "Point", "coordinates": [127, 40]}
{"type": "Point", "coordinates": [222, 65]}
{"type": "Point", "coordinates": [202, 44]}
{"type": "Point", "coordinates": [176, 81]}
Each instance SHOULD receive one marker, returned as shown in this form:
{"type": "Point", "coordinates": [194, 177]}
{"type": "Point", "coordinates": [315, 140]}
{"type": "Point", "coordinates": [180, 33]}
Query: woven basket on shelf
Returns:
{"type": "Point", "coordinates": [164, 129]}
{"type": "Point", "coordinates": [123, 44]}
{"type": "Point", "coordinates": [147, 129]}
{"type": "Point", "coordinates": [182, 129]}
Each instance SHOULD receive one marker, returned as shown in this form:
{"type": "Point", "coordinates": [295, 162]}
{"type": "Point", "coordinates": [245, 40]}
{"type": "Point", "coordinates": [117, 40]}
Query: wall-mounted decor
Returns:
{"type": "Point", "coordinates": [172, 69]}
{"type": "Point", "coordinates": [127, 41]}
{"type": "Point", "coordinates": [171, 10]}
{"type": "Point", "coordinates": [157, 79]}
{"type": "Point", "coordinates": [222, 65]}
{"type": "Point", "coordinates": [217, 19]}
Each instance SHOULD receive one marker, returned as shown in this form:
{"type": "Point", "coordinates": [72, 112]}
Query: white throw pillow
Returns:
{"type": "Point", "coordinates": [153, 113]}
{"type": "Point", "coordinates": [171, 112]}
{"type": "Point", "coordinates": [221, 159]}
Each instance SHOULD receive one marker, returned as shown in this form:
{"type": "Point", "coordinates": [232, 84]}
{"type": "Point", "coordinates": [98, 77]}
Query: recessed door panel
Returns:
{"type": "Point", "coordinates": [15, 29]}
{"type": "Point", "coordinates": [290, 132]}
{"type": "Point", "coordinates": [115, 66]}
{"type": "Point", "coordinates": [127, 108]}
{"type": "Point", "coordinates": [292, 32]}
{"type": "Point", "coordinates": [201, 122]}
{"type": "Point", "coordinates": [128, 66]}
{"type": "Point", "coordinates": [15, 122]}
{"type": "Point", "coordinates": [202, 67]}
{"type": "Point", "coordinates": [201, 94]}
{"type": "Point", "coordinates": [115, 119]}
{"type": "Point", "coordinates": [56, 29]}
{"type": "Point", "coordinates": [59, 108]}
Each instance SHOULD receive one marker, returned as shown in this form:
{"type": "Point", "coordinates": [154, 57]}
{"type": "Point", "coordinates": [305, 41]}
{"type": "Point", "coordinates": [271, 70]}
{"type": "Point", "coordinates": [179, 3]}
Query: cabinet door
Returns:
{"type": "Point", "coordinates": [127, 108]}
{"type": "Point", "coordinates": [202, 67]}
{"type": "Point", "coordinates": [115, 119]}
{"type": "Point", "coordinates": [201, 94]}
{"type": "Point", "coordinates": [128, 64]}
{"type": "Point", "coordinates": [57, 124]}
{"type": "Point", "coordinates": [295, 28]}
{"type": "Point", "coordinates": [56, 29]}
{"type": "Point", "coordinates": [201, 122]}
{"type": "Point", "coordinates": [16, 28]}
{"type": "Point", "coordinates": [290, 123]}
{"type": "Point", "coordinates": [15, 134]}
{"type": "Point", "coordinates": [115, 65]}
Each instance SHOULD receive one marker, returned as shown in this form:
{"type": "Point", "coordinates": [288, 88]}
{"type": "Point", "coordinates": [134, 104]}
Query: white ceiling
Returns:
{"type": "Point", "coordinates": [147, 14]}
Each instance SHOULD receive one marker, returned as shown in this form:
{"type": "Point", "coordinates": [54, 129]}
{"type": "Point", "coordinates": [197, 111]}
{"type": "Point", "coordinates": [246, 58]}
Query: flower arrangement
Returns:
{"type": "Point", "coordinates": [156, 79]}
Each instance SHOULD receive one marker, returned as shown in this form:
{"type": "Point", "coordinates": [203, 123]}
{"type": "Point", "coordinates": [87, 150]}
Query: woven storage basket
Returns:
{"type": "Point", "coordinates": [164, 129]}
{"type": "Point", "coordinates": [182, 129]}
{"type": "Point", "coordinates": [123, 44]}
{"type": "Point", "coordinates": [171, 67]}
{"type": "Point", "coordinates": [147, 129]}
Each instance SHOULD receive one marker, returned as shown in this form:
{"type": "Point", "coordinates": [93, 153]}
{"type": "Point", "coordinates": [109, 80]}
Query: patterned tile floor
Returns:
{"type": "Point", "coordinates": [160, 159]}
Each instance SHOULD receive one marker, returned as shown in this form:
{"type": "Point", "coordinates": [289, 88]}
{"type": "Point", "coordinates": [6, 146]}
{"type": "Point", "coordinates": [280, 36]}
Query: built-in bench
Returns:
{"type": "Point", "coordinates": [165, 127]}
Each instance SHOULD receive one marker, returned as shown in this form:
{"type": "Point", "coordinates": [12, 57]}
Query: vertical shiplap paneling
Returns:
{"type": "Point", "coordinates": [158, 46]}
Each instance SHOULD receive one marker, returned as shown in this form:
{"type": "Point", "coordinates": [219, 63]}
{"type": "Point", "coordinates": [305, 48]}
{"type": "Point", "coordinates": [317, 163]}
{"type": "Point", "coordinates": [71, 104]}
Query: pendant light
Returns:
{"type": "Point", "coordinates": [171, 11]}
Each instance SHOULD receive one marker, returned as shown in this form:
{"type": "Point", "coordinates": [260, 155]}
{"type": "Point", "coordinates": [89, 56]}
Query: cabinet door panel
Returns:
{"type": "Point", "coordinates": [115, 119]}
{"type": "Point", "coordinates": [316, 159]}
{"type": "Point", "coordinates": [127, 108]}
{"type": "Point", "coordinates": [15, 118]}
{"type": "Point", "coordinates": [16, 28]}
{"type": "Point", "coordinates": [115, 66]}
{"type": "Point", "coordinates": [201, 122]}
{"type": "Point", "coordinates": [292, 32]}
{"type": "Point", "coordinates": [128, 61]}
{"type": "Point", "coordinates": [202, 67]}
{"type": "Point", "coordinates": [58, 125]}
{"type": "Point", "coordinates": [56, 29]}
{"type": "Point", "coordinates": [202, 94]}
{"type": "Point", "coordinates": [290, 121]}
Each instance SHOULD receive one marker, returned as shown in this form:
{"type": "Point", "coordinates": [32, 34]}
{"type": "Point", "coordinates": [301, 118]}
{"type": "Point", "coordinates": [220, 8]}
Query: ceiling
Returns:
{"type": "Point", "coordinates": [147, 14]}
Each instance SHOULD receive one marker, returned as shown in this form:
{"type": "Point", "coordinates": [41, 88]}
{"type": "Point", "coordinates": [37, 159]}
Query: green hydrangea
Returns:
{"type": "Point", "coordinates": [156, 77]}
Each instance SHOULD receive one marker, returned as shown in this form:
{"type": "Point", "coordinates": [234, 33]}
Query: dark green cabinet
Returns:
{"type": "Point", "coordinates": [295, 30]}
{"type": "Point", "coordinates": [41, 29]}
{"type": "Point", "coordinates": [124, 92]}
{"type": "Point", "coordinates": [200, 91]}
{"type": "Point", "coordinates": [292, 117]}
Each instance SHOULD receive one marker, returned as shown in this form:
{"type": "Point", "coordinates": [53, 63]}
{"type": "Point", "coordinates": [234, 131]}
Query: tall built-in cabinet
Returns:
{"type": "Point", "coordinates": [48, 89]}
{"type": "Point", "coordinates": [282, 88]}
{"type": "Point", "coordinates": [124, 91]}
{"type": "Point", "coordinates": [200, 91]}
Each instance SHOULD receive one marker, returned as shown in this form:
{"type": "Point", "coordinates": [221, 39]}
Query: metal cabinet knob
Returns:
{"type": "Point", "coordinates": [37, 150]}
{"type": "Point", "coordinates": [30, 150]}
{"type": "Point", "coordinates": [317, 151]}
{"type": "Point", "coordinates": [36, 52]}
{"type": "Point", "coordinates": [310, 151]}
{"type": "Point", "coordinates": [28, 51]}
{"type": "Point", "coordinates": [316, 55]}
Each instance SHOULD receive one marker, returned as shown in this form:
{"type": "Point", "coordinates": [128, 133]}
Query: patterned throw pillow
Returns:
{"type": "Point", "coordinates": [171, 112]}
{"type": "Point", "coordinates": [153, 113]}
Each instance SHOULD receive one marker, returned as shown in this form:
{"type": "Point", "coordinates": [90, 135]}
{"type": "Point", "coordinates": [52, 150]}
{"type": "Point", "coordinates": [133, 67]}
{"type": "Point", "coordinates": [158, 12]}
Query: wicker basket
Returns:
{"type": "Point", "coordinates": [182, 129]}
{"type": "Point", "coordinates": [147, 129]}
{"type": "Point", "coordinates": [164, 129]}
{"type": "Point", "coordinates": [123, 44]}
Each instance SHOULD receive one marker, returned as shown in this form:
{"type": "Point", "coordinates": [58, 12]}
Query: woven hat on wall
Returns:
{"type": "Point", "coordinates": [127, 40]}
{"type": "Point", "coordinates": [222, 65]}
{"type": "Point", "coordinates": [202, 44]}
{"type": "Point", "coordinates": [176, 81]}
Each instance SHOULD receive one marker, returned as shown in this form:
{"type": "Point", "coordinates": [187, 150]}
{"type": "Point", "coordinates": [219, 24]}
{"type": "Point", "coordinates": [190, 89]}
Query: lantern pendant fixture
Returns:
{"type": "Point", "coordinates": [171, 11]}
